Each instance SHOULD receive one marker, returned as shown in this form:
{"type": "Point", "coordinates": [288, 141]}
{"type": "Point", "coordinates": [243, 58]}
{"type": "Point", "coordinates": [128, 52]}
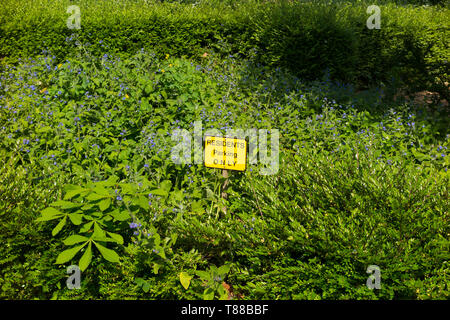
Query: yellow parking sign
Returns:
{"type": "Point", "coordinates": [226, 153]}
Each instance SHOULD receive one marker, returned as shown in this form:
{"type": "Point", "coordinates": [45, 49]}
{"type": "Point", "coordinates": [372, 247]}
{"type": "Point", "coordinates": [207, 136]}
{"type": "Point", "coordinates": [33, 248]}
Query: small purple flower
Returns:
{"type": "Point", "coordinates": [133, 225]}
{"type": "Point", "coordinates": [119, 198]}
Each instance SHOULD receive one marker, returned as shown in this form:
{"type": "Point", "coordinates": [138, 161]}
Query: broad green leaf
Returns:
{"type": "Point", "coordinates": [95, 196]}
{"type": "Point", "coordinates": [223, 269]}
{"type": "Point", "coordinates": [98, 231]}
{"type": "Point", "coordinates": [185, 280]}
{"type": "Point", "coordinates": [148, 89]}
{"type": "Point", "coordinates": [68, 254]}
{"type": "Point", "coordinates": [166, 185]}
{"type": "Point", "coordinates": [104, 204]}
{"type": "Point", "coordinates": [203, 274]}
{"type": "Point", "coordinates": [76, 218]}
{"type": "Point", "coordinates": [120, 215]}
{"type": "Point", "coordinates": [143, 203]}
{"type": "Point", "coordinates": [196, 207]}
{"type": "Point", "coordinates": [139, 281]}
{"type": "Point", "coordinates": [65, 204]}
{"type": "Point", "coordinates": [100, 190]}
{"type": "Point", "coordinates": [146, 287]}
{"type": "Point", "coordinates": [156, 239]}
{"type": "Point", "coordinates": [208, 294]}
{"type": "Point", "coordinates": [213, 269]}
{"type": "Point", "coordinates": [59, 226]}
{"type": "Point", "coordinates": [161, 252]}
{"type": "Point", "coordinates": [73, 192]}
{"type": "Point", "coordinates": [117, 237]}
{"type": "Point", "coordinates": [86, 226]}
{"type": "Point", "coordinates": [156, 267]}
{"type": "Point", "coordinates": [177, 196]}
{"type": "Point", "coordinates": [86, 258]}
{"type": "Point", "coordinates": [112, 180]}
{"type": "Point", "coordinates": [159, 192]}
{"type": "Point", "coordinates": [50, 214]}
{"type": "Point", "coordinates": [76, 238]}
{"type": "Point", "coordinates": [108, 254]}
{"type": "Point", "coordinates": [87, 207]}
{"type": "Point", "coordinates": [102, 238]}
{"type": "Point", "coordinates": [127, 188]}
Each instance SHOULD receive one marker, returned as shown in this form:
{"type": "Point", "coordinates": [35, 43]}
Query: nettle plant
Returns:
{"type": "Point", "coordinates": [96, 214]}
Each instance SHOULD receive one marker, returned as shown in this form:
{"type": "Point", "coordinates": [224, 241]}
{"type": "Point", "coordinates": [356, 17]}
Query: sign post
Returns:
{"type": "Point", "coordinates": [224, 187]}
{"type": "Point", "coordinates": [226, 154]}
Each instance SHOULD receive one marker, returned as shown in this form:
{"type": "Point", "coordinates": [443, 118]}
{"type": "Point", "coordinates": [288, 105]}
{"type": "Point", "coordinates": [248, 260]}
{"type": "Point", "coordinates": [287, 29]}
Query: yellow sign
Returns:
{"type": "Point", "coordinates": [225, 153]}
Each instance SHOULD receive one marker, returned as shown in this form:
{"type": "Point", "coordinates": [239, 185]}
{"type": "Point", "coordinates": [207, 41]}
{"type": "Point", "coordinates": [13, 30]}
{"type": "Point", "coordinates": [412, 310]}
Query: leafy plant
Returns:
{"type": "Point", "coordinates": [93, 210]}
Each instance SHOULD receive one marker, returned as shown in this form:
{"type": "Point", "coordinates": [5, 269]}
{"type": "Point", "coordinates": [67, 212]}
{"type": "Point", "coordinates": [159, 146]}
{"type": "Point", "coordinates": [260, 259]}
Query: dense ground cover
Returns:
{"type": "Point", "coordinates": [310, 38]}
{"type": "Point", "coordinates": [86, 161]}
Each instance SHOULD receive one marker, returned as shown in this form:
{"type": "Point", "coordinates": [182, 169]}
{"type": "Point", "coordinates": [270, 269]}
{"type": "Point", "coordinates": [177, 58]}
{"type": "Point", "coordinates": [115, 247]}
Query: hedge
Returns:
{"type": "Point", "coordinates": [312, 39]}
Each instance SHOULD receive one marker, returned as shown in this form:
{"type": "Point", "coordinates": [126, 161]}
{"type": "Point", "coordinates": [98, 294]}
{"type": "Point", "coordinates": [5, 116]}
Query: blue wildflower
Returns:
{"type": "Point", "coordinates": [133, 225]}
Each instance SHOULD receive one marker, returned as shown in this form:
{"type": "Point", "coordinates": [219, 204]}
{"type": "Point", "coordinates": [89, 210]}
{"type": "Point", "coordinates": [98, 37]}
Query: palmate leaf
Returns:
{"type": "Point", "coordinates": [120, 215]}
{"type": "Point", "coordinates": [68, 254]}
{"type": "Point", "coordinates": [73, 192]}
{"type": "Point", "coordinates": [76, 238]}
{"type": "Point", "coordinates": [76, 218]}
{"type": "Point", "coordinates": [117, 237]}
{"type": "Point", "coordinates": [86, 258]}
{"type": "Point", "coordinates": [104, 204]}
{"type": "Point", "coordinates": [86, 226]}
{"type": "Point", "coordinates": [59, 226]}
{"type": "Point", "coordinates": [50, 214]}
{"type": "Point", "coordinates": [108, 254]}
{"type": "Point", "coordinates": [65, 204]}
{"type": "Point", "coordinates": [98, 231]}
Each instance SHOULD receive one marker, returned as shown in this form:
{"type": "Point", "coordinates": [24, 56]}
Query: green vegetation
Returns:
{"type": "Point", "coordinates": [309, 38]}
{"type": "Point", "coordinates": [87, 175]}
